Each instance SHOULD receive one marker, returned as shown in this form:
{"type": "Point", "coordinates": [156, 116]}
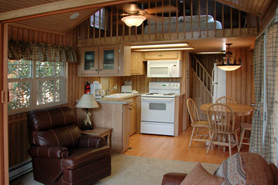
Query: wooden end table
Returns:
{"type": "Point", "coordinates": [99, 131]}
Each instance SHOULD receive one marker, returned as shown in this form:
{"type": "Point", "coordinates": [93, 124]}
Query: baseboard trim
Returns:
{"type": "Point", "coordinates": [20, 169]}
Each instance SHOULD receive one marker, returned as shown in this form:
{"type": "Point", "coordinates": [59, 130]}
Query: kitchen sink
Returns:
{"type": "Point", "coordinates": [119, 95]}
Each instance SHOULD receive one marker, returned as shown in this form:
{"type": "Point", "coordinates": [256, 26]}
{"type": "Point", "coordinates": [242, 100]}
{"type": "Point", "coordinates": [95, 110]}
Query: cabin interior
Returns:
{"type": "Point", "coordinates": [205, 25]}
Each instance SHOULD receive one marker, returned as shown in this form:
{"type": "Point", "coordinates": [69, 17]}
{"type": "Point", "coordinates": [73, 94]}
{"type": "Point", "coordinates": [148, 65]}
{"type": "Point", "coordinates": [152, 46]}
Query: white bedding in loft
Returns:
{"type": "Point", "coordinates": [195, 24]}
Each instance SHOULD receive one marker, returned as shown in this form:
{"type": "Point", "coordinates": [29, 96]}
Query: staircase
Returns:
{"type": "Point", "coordinates": [203, 76]}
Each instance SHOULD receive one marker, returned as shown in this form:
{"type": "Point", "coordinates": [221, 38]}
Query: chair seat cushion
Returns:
{"type": "Point", "coordinates": [82, 156]}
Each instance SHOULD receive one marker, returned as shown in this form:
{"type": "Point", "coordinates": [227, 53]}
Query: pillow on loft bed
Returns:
{"type": "Point", "coordinates": [195, 18]}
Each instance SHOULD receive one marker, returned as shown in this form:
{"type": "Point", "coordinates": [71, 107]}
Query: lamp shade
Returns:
{"type": "Point", "coordinates": [87, 101]}
{"type": "Point", "coordinates": [229, 63]}
{"type": "Point", "coordinates": [230, 67]}
{"type": "Point", "coordinates": [133, 20]}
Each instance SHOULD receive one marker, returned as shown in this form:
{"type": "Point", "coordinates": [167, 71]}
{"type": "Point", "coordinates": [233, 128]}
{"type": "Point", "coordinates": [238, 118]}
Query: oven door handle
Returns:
{"type": "Point", "coordinates": [163, 100]}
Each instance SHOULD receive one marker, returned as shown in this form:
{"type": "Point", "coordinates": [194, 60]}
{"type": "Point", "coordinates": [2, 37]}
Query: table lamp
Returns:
{"type": "Point", "coordinates": [87, 101]}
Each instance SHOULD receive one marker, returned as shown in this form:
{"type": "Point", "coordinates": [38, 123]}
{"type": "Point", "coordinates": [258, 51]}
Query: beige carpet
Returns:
{"type": "Point", "coordinates": [132, 170]}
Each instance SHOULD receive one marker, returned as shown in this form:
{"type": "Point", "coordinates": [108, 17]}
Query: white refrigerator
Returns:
{"type": "Point", "coordinates": [218, 84]}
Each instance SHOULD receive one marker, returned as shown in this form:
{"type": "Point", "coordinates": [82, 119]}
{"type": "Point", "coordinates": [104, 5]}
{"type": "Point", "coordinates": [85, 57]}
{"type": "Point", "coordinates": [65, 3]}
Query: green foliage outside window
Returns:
{"type": "Point", "coordinates": [48, 81]}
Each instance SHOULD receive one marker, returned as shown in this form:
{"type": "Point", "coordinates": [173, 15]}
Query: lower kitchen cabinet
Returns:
{"type": "Point", "coordinates": [111, 115]}
{"type": "Point", "coordinates": [133, 117]}
{"type": "Point", "coordinates": [179, 114]}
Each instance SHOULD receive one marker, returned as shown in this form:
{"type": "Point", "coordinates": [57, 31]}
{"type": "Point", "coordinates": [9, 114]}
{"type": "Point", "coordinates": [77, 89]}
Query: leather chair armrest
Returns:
{"type": "Point", "coordinates": [173, 178]}
{"type": "Point", "coordinates": [274, 173]}
{"type": "Point", "coordinates": [91, 142]}
{"type": "Point", "coordinates": [56, 152]}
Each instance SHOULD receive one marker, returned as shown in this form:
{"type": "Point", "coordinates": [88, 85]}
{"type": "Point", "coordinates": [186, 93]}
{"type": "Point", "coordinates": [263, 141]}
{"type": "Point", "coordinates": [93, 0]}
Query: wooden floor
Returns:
{"type": "Point", "coordinates": [176, 148]}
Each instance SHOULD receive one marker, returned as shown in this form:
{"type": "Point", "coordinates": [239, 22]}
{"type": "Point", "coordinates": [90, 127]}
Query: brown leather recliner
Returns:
{"type": "Point", "coordinates": [60, 155]}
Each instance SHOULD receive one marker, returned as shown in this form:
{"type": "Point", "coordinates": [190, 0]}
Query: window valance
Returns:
{"type": "Point", "coordinates": [40, 52]}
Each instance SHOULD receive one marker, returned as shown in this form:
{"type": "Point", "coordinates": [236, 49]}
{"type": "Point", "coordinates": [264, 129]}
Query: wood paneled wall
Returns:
{"type": "Point", "coordinates": [29, 35]}
{"type": "Point", "coordinates": [240, 83]}
{"type": "Point", "coordinates": [18, 139]}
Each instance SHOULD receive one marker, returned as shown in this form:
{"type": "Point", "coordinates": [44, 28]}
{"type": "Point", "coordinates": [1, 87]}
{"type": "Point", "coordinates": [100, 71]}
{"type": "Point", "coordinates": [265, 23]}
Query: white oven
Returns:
{"type": "Point", "coordinates": [157, 115]}
{"type": "Point", "coordinates": [158, 108]}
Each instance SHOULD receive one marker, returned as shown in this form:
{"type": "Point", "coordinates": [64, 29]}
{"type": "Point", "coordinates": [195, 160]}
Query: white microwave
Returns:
{"type": "Point", "coordinates": [164, 69]}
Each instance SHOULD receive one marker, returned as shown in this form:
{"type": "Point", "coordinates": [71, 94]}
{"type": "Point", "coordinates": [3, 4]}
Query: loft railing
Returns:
{"type": "Point", "coordinates": [192, 19]}
{"type": "Point", "coordinates": [202, 74]}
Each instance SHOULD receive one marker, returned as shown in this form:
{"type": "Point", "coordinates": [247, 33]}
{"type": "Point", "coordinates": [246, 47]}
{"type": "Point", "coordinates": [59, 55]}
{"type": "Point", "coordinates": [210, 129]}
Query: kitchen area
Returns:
{"type": "Point", "coordinates": [151, 100]}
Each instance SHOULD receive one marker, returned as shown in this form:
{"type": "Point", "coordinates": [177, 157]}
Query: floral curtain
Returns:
{"type": "Point", "coordinates": [269, 151]}
{"type": "Point", "coordinates": [257, 120]}
{"type": "Point", "coordinates": [40, 52]}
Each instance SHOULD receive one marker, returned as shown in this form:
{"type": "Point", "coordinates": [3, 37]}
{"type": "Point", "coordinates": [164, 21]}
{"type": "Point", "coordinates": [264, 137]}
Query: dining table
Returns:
{"type": "Point", "coordinates": [238, 109]}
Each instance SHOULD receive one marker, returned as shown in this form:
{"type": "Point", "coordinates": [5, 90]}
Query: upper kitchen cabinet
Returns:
{"type": "Point", "coordinates": [137, 65]}
{"type": "Point", "coordinates": [108, 60]}
{"type": "Point", "coordinates": [89, 61]}
{"type": "Point", "coordinates": [113, 60]}
{"type": "Point", "coordinates": [165, 55]}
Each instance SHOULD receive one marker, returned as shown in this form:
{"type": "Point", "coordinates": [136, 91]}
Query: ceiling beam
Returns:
{"type": "Point", "coordinates": [237, 6]}
{"type": "Point", "coordinates": [55, 8]}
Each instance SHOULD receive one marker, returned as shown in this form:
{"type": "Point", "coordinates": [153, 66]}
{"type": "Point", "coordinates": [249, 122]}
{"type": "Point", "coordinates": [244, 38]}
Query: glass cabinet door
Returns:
{"type": "Point", "coordinates": [108, 59]}
{"type": "Point", "coordinates": [89, 61]}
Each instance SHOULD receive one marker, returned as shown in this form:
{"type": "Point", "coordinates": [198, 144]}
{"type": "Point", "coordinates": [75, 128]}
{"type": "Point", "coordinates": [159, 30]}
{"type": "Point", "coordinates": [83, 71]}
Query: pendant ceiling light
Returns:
{"type": "Point", "coordinates": [133, 20]}
{"type": "Point", "coordinates": [229, 63]}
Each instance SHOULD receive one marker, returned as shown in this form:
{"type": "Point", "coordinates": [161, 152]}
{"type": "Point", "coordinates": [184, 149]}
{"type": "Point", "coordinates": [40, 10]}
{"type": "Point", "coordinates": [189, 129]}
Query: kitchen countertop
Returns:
{"type": "Point", "coordinates": [124, 100]}
{"type": "Point", "coordinates": [120, 100]}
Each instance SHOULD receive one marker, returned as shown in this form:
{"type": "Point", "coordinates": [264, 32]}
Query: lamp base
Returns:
{"type": "Point", "coordinates": [87, 124]}
{"type": "Point", "coordinates": [86, 127]}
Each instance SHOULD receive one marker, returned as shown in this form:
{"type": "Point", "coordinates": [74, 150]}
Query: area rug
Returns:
{"type": "Point", "coordinates": [132, 170]}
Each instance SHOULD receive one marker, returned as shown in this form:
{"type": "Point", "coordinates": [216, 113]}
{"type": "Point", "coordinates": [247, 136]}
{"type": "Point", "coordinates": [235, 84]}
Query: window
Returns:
{"type": "Point", "coordinates": [35, 84]}
{"type": "Point", "coordinates": [98, 19]}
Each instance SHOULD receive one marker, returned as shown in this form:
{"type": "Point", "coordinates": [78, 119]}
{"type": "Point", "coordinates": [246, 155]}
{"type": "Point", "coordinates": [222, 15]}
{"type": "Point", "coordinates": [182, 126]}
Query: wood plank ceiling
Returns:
{"type": "Point", "coordinates": [62, 23]}
{"type": "Point", "coordinates": [254, 7]}
{"type": "Point", "coordinates": [58, 22]}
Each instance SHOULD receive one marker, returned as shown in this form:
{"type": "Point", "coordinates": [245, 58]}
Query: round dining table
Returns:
{"type": "Point", "coordinates": [239, 109]}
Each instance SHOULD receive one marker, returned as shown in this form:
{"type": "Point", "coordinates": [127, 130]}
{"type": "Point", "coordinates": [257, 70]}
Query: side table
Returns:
{"type": "Point", "coordinates": [99, 131]}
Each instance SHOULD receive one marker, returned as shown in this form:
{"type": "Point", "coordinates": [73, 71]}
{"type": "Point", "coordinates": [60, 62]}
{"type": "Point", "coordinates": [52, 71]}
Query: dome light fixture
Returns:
{"type": "Point", "coordinates": [229, 63]}
{"type": "Point", "coordinates": [133, 20]}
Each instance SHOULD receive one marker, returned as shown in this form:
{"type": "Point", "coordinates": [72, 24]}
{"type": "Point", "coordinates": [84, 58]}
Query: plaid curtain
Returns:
{"type": "Point", "coordinates": [40, 52]}
{"type": "Point", "coordinates": [257, 120]}
{"type": "Point", "coordinates": [269, 151]}
{"type": "Point", "coordinates": [268, 147]}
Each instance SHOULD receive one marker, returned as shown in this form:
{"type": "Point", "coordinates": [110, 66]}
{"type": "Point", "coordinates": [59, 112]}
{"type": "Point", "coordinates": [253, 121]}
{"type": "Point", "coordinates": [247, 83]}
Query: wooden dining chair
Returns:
{"type": "Point", "coordinates": [196, 123]}
{"type": "Point", "coordinates": [221, 120]}
{"type": "Point", "coordinates": [244, 127]}
{"type": "Point", "coordinates": [226, 100]}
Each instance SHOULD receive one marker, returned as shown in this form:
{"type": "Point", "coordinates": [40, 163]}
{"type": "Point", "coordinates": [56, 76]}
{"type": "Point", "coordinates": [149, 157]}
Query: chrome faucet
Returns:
{"type": "Point", "coordinates": [109, 91]}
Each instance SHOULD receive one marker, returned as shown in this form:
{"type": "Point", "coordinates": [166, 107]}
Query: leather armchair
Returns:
{"type": "Point", "coordinates": [60, 155]}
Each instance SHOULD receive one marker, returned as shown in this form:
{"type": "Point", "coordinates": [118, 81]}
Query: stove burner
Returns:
{"type": "Point", "coordinates": [169, 94]}
{"type": "Point", "coordinates": [151, 93]}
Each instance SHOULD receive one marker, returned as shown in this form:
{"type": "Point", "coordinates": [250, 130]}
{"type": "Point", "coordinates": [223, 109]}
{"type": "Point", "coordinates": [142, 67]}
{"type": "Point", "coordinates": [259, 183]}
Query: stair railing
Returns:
{"type": "Point", "coordinates": [202, 74]}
